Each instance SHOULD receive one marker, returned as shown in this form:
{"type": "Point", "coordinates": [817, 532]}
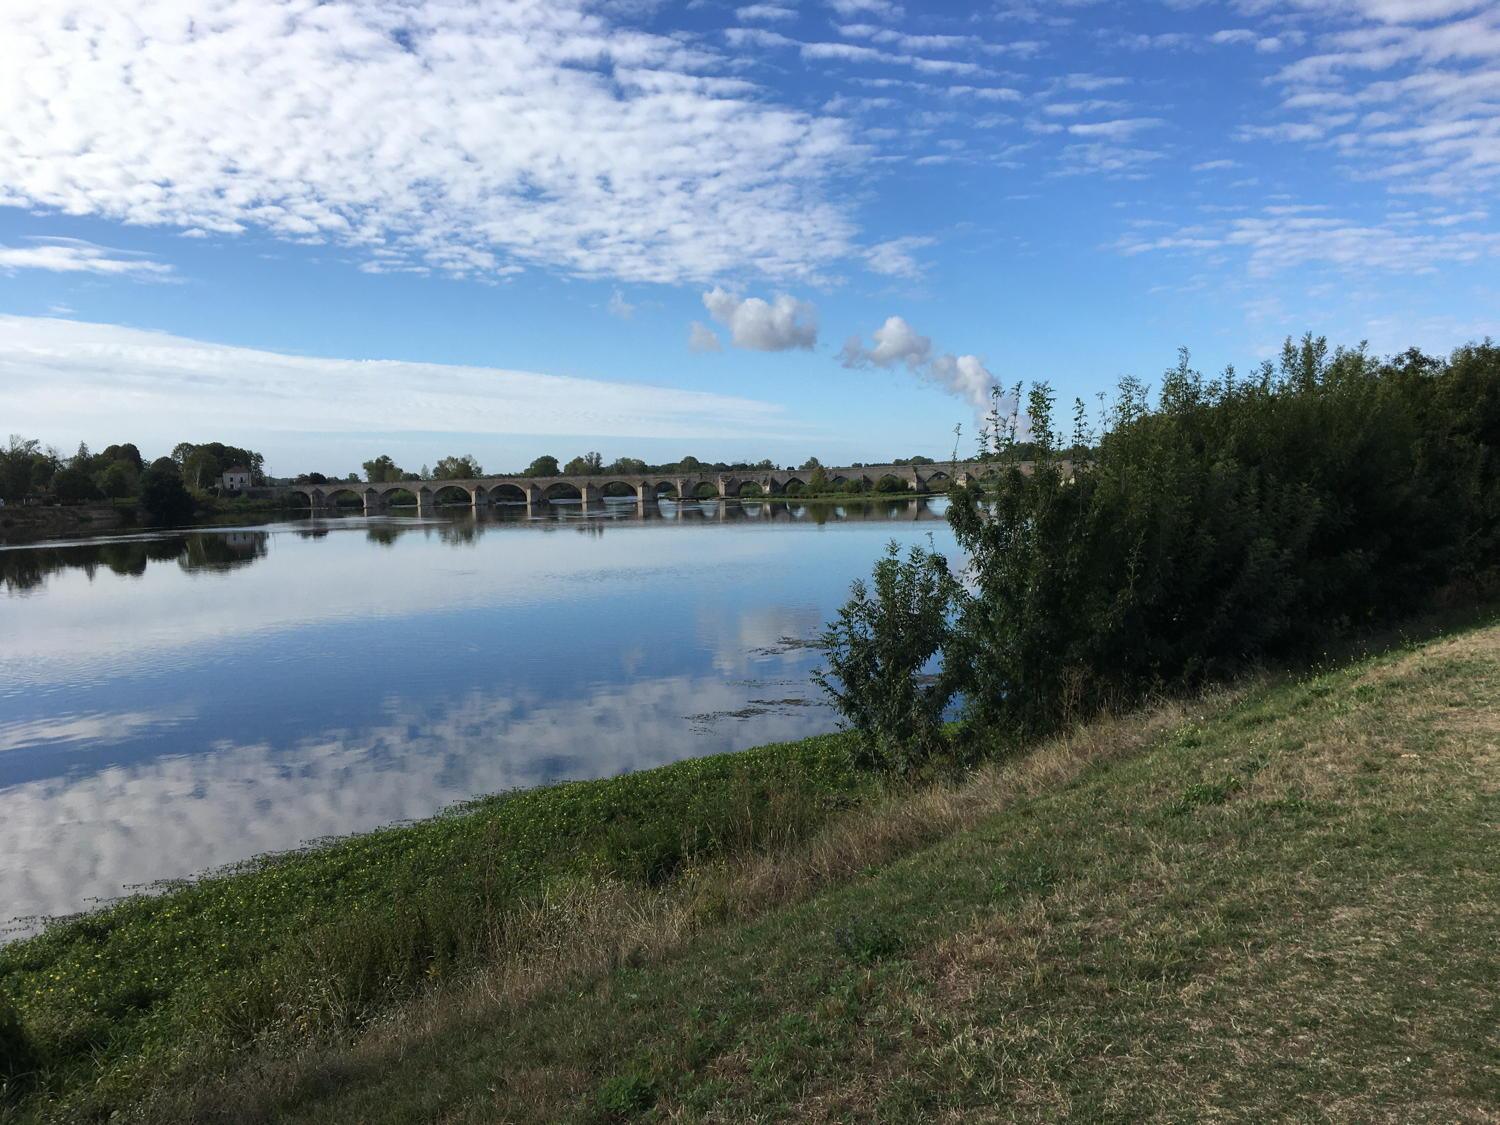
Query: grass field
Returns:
{"type": "Point", "coordinates": [1275, 903]}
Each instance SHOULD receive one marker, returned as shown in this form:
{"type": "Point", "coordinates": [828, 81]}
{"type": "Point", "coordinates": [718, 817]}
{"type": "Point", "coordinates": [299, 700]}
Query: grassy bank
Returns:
{"type": "Point", "coordinates": [1274, 903]}
{"type": "Point", "coordinates": [301, 944]}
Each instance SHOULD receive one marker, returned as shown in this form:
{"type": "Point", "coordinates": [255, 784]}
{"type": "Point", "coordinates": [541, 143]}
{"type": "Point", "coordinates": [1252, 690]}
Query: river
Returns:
{"type": "Point", "coordinates": [172, 702]}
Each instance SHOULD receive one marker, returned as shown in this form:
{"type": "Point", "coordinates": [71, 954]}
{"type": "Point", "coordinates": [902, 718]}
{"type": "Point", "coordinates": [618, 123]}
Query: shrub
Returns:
{"type": "Point", "coordinates": [879, 649]}
{"type": "Point", "coordinates": [1236, 521]}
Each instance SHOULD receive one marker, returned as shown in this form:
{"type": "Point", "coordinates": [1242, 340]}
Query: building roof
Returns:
{"type": "Point", "coordinates": [235, 469]}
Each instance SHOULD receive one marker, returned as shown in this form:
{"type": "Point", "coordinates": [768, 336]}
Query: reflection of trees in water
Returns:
{"type": "Point", "coordinates": [29, 568]}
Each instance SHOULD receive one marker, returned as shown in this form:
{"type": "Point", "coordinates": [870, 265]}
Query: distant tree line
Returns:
{"type": "Point", "coordinates": [1232, 521]}
{"type": "Point", "coordinates": [384, 470]}
{"type": "Point", "coordinates": [166, 488]}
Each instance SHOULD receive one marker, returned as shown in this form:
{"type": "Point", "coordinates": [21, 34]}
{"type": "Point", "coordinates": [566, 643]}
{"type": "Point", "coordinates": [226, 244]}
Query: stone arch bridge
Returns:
{"type": "Point", "coordinates": [481, 492]}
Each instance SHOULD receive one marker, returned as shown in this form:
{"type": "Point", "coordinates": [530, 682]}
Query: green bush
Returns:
{"type": "Point", "coordinates": [878, 652]}
{"type": "Point", "coordinates": [1235, 522]}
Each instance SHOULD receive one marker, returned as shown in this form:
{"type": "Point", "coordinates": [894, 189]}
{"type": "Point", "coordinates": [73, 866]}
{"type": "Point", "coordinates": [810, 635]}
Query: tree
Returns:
{"type": "Point", "coordinates": [200, 468]}
{"type": "Point", "coordinates": [810, 464]}
{"type": "Point", "coordinates": [118, 479]}
{"type": "Point", "coordinates": [457, 468]}
{"type": "Point", "coordinates": [629, 466]}
{"type": "Point", "coordinates": [75, 484]}
{"type": "Point", "coordinates": [878, 650]}
{"type": "Point", "coordinates": [817, 481]}
{"type": "Point", "coordinates": [126, 453]}
{"type": "Point", "coordinates": [163, 496]}
{"type": "Point", "coordinates": [690, 465]}
{"type": "Point", "coordinates": [382, 469]}
{"type": "Point", "coordinates": [586, 466]}
{"type": "Point", "coordinates": [17, 466]}
{"type": "Point", "coordinates": [543, 466]}
{"type": "Point", "coordinates": [214, 458]}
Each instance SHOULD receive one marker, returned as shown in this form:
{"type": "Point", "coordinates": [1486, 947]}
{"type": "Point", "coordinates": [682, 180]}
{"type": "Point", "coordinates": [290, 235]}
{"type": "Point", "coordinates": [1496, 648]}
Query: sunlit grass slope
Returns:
{"type": "Point", "coordinates": [1276, 905]}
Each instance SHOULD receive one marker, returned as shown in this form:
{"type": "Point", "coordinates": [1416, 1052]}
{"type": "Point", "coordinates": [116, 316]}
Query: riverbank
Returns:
{"type": "Point", "coordinates": [750, 930]}
{"type": "Point", "coordinates": [20, 524]}
{"type": "Point", "coordinates": [24, 525]}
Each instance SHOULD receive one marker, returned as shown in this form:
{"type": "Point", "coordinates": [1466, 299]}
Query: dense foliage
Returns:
{"type": "Point", "coordinates": [1238, 520]}
{"type": "Point", "coordinates": [164, 498]}
{"type": "Point", "coordinates": [879, 648]}
{"type": "Point", "coordinates": [27, 471]}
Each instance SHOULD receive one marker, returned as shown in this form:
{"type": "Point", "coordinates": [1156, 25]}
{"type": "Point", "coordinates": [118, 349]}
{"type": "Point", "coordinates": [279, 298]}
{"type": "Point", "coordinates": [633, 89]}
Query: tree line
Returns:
{"type": "Point", "coordinates": [384, 470]}
{"type": "Point", "coordinates": [1233, 521]}
{"type": "Point", "coordinates": [166, 488]}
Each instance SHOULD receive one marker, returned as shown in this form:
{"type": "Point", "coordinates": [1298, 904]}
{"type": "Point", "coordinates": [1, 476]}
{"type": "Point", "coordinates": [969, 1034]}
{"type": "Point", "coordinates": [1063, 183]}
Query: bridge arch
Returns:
{"type": "Point", "coordinates": [451, 495]}
{"type": "Point", "coordinates": [561, 490]}
{"type": "Point", "coordinates": [507, 493]}
{"type": "Point", "coordinates": [794, 486]}
{"type": "Point", "coordinates": [349, 496]}
{"type": "Point", "coordinates": [890, 482]}
{"type": "Point", "coordinates": [399, 496]}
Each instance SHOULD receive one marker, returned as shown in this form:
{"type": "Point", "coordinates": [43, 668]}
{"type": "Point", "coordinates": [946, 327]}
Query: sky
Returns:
{"type": "Point", "coordinates": [328, 229]}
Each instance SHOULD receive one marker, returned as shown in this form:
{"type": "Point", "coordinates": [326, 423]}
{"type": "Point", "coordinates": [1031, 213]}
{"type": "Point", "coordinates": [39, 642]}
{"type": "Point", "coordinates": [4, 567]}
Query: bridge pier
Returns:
{"type": "Point", "coordinates": [425, 504]}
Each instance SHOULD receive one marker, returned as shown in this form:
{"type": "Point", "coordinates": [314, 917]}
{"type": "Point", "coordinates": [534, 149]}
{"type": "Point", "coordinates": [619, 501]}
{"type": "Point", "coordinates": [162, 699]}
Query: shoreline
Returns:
{"type": "Point", "coordinates": [113, 997]}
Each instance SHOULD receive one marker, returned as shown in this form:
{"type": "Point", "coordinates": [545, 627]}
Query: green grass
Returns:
{"type": "Point", "coordinates": [1281, 909]}
{"type": "Point", "coordinates": [326, 938]}
{"type": "Point", "coordinates": [1276, 905]}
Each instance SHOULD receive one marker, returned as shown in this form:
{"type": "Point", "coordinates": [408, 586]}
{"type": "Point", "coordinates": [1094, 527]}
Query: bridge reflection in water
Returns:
{"type": "Point", "coordinates": [613, 509]}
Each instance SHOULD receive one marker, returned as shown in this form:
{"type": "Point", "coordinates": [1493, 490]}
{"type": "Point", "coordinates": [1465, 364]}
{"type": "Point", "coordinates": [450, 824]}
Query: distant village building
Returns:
{"type": "Point", "coordinates": [235, 479]}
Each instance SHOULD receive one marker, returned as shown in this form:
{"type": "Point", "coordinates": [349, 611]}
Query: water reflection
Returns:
{"type": "Point", "coordinates": [173, 702]}
{"type": "Point", "coordinates": [27, 568]}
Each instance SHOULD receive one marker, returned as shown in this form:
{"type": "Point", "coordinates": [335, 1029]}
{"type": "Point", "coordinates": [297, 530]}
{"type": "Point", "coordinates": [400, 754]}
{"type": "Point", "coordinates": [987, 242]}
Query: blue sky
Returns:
{"type": "Point", "coordinates": [782, 228]}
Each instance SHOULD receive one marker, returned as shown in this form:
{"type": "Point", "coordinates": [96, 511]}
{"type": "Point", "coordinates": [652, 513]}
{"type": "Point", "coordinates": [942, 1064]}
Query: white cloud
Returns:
{"type": "Point", "coordinates": [1117, 130]}
{"type": "Point", "coordinates": [1286, 237]}
{"type": "Point", "coordinates": [883, 9]}
{"type": "Point", "coordinates": [770, 12]}
{"type": "Point", "coordinates": [893, 258]}
{"type": "Point", "coordinates": [1430, 72]}
{"type": "Point", "coordinates": [461, 137]}
{"type": "Point", "coordinates": [898, 344]}
{"type": "Point", "coordinates": [618, 306]}
{"type": "Point", "coordinates": [64, 379]}
{"type": "Point", "coordinates": [70, 255]}
{"type": "Point", "coordinates": [778, 325]}
{"type": "Point", "coordinates": [847, 52]}
{"type": "Point", "coordinates": [703, 339]}
{"type": "Point", "coordinates": [1098, 157]}
{"type": "Point", "coordinates": [1215, 165]}
{"type": "Point", "coordinates": [905, 41]}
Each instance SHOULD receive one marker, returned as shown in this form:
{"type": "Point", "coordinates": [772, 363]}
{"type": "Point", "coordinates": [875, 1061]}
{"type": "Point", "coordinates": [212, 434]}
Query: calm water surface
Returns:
{"type": "Point", "coordinates": [173, 702]}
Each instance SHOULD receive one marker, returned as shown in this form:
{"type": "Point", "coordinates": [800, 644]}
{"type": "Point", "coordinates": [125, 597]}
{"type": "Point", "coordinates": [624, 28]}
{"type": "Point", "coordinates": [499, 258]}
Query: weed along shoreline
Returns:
{"type": "Point", "coordinates": [485, 921]}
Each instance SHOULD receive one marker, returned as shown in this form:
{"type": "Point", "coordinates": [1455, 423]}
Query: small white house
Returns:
{"type": "Point", "coordinates": [235, 479]}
